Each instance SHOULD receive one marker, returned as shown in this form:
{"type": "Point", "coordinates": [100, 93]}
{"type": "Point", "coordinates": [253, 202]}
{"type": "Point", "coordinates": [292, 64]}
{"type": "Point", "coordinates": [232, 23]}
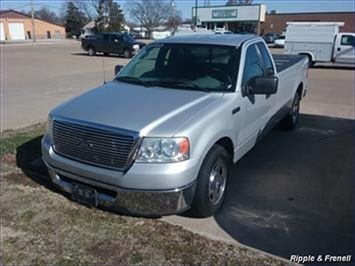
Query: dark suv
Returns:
{"type": "Point", "coordinates": [112, 43]}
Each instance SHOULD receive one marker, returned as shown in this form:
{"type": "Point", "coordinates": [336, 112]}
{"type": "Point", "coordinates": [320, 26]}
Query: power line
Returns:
{"type": "Point", "coordinates": [22, 6]}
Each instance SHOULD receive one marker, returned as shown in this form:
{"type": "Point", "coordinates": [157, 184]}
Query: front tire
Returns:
{"type": "Point", "coordinates": [211, 182]}
{"type": "Point", "coordinates": [127, 53]}
{"type": "Point", "coordinates": [290, 121]}
{"type": "Point", "coordinates": [91, 51]}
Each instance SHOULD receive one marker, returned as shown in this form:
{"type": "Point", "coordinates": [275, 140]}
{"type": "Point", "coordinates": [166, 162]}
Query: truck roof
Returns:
{"type": "Point", "coordinates": [217, 39]}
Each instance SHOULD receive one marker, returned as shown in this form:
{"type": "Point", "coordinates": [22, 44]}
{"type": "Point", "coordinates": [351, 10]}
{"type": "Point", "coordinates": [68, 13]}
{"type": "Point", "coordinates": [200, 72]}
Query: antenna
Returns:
{"type": "Point", "coordinates": [103, 69]}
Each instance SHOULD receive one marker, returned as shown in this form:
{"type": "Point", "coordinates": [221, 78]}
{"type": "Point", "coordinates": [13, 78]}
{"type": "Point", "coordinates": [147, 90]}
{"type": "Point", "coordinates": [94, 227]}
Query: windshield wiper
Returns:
{"type": "Point", "coordinates": [130, 79]}
{"type": "Point", "coordinates": [175, 84]}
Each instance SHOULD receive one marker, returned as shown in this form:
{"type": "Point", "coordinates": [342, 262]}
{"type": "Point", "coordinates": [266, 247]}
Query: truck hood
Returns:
{"type": "Point", "coordinates": [152, 111]}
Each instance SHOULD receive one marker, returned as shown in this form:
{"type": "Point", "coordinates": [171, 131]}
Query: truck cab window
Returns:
{"type": "Point", "coordinates": [347, 40]}
{"type": "Point", "coordinates": [253, 66]}
{"type": "Point", "coordinates": [266, 59]}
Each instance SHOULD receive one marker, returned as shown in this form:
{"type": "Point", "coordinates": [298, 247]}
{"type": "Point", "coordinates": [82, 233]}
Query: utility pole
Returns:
{"type": "Point", "coordinates": [195, 14]}
{"type": "Point", "coordinates": [33, 22]}
{"type": "Point", "coordinates": [174, 14]}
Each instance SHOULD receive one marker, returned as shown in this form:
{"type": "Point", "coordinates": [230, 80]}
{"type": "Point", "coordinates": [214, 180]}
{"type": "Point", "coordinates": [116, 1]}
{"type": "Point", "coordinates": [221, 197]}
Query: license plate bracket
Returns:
{"type": "Point", "coordinates": [84, 195]}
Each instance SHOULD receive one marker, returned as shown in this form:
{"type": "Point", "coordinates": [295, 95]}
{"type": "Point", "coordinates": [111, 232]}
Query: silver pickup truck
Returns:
{"type": "Point", "coordinates": [163, 136]}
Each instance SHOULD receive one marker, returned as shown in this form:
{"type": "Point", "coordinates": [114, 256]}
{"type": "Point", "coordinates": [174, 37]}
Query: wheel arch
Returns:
{"type": "Point", "coordinates": [310, 57]}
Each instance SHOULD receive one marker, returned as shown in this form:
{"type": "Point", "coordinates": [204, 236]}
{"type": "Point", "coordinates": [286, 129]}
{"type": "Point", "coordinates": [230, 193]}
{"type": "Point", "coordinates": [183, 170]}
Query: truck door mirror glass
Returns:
{"type": "Point", "coordinates": [263, 85]}
{"type": "Point", "coordinates": [118, 68]}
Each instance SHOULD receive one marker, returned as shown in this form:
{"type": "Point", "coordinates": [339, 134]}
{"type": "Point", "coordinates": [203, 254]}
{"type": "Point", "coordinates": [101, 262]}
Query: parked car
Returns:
{"type": "Point", "coordinates": [270, 37]}
{"type": "Point", "coordinates": [162, 137]}
{"type": "Point", "coordinates": [280, 42]}
{"type": "Point", "coordinates": [156, 35]}
{"type": "Point", "coordinates": [222, 32]}
{"type": "Point", "coordinates": [321, 42]}
{"type": "Point", "coordinates": [111, 43]}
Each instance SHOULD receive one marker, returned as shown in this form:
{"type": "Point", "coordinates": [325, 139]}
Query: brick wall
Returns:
{"type": "Point", "coordinates": [277, 22]}
{"type": "Point", "coordinates": [42, 28]}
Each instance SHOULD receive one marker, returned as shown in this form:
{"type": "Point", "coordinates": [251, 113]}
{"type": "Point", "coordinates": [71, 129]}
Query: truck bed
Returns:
{"type": "Point", "coordinates": [283, 61]}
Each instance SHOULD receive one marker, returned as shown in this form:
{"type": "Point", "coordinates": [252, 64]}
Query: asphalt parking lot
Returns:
{"type": "Point", "coordinates": [293, 194]}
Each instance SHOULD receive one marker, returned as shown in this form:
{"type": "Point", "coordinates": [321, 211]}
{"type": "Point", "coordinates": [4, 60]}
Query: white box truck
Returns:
{"type": "Point", "coordinates": [320, 41]}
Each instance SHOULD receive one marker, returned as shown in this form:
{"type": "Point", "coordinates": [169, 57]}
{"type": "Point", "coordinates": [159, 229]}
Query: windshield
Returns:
{"type": "Point", "coordinates": [184, 66]}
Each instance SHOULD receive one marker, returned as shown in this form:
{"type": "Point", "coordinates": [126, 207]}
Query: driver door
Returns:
{"type": "Point", "coordinates": [116, 44]}
{"type": "Point", "coordinates": [345, 50]}
{"type": "Point", "coordinates": [257, 109]}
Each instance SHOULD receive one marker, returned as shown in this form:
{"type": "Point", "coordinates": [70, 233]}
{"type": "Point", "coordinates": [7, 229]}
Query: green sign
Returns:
{"type": "Point", "coordinates": [224, 13]}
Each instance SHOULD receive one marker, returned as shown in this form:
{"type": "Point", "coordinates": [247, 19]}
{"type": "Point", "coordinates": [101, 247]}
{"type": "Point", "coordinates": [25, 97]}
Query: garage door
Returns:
{"type": "Point", "coordinates": [2, 34]}
{"type": "Point", "coordinates": [17, 31]}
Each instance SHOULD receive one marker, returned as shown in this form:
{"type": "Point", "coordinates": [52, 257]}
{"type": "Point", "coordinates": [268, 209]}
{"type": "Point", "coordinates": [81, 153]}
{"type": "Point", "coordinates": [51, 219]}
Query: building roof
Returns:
{"type": "Point", "coordinates": [90, 25]}
{"type": "Point", "coordinates": [216, 39]}
{"type": "Point", "coordinates": [10, 13]}
{"type": "Point", "coordinates": [310, 13]}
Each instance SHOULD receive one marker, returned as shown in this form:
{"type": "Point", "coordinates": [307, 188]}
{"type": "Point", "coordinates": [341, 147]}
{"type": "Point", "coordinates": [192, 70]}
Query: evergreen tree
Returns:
{"type": "Point", "coordinates": [110, 17]}
{"type": "Point", "coordinates": [75, 20]}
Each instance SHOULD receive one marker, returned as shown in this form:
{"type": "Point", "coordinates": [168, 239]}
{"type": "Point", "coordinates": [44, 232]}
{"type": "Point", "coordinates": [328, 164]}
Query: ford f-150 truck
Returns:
{"type": "Point", "coordinates": [163, 136]}
{"type": "Point", "coordinates": [111, 43]}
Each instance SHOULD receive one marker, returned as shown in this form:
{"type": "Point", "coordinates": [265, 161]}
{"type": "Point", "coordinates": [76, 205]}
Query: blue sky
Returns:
{"type": "Point", "coordinates": [186, 5]}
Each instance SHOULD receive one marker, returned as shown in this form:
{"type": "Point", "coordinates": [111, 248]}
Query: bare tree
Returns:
{"type": "Point", "coordinates": [239, 2]}
{"type": "Point", "coordinates": [151, 13]}
{"type": "Point", "coordinates": [85, 7]}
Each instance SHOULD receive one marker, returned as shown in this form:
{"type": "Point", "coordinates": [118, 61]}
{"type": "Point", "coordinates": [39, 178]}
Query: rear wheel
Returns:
{"type": "Point", "coordinates": [91, 51]}
{"type": "Point", "coordinates": [211, 182]}
{"type": "Point", "coordinates": [106, 54]}
{"type": "Point", "coordinates": [290, 121]}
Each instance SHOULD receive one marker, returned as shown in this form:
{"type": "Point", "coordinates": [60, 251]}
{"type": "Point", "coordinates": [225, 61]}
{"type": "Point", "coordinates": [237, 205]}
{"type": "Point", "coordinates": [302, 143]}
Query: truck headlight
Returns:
{"type": "Point", "coordinates": [49, 127]}
{"type": "Point", "coordinates": [135, 47]}
{"type": "Point", "coordinates": [163, 150]}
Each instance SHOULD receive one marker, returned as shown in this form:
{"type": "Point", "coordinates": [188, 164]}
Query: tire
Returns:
{"type": "Point", "coordinates": [290, 121]}
{"type": "Point", "coordinates": [127, 53]}
{"type": "Point", "coordinates": [106, 54]}
{"type": "Point", "coordinates": [210, 191]}
{"type": "Point", "coordinates": [91, 51]}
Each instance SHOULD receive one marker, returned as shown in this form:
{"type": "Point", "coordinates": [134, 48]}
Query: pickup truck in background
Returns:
{"type": "Point", "coordinates": [321, 42]}
{"type": "Point", "coordinates": [111, 43]}
{"type": "Point", "coordinates": [162, 137]}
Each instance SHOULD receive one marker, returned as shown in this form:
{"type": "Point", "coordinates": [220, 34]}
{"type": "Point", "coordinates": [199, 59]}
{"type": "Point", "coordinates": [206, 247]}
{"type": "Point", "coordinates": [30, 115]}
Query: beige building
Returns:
{"type": "Point", "coordinates": [18, 26]}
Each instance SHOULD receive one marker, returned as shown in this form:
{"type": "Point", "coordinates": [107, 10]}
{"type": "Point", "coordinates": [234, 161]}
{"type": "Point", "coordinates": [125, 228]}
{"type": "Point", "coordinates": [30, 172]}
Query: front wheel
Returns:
{"type": "Point", "coordinates": [127, 53]}
{"type": "Point", "coordinates": [91, 51]}
{"type": "Point", "coordinates": [211, 182]}
{"type": "Point", "coordinates": [290, 121]}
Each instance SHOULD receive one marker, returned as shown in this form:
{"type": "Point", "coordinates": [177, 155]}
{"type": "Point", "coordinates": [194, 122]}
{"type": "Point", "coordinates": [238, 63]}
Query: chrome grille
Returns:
{"type": "Point", "coordinates": [97, 146]}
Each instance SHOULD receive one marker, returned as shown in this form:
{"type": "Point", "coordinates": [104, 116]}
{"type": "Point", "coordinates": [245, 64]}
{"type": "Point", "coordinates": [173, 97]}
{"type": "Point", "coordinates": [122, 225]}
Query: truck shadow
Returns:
{"type": "Point", "coordinates": [333, 67]}
{"type": "Point", "coordinates": [293, 194]}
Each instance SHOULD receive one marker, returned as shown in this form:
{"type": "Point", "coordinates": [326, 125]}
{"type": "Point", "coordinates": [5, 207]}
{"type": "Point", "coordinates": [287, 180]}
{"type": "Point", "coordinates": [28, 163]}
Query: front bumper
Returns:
{"type": "Point", "coordinates": [159, 189]}
{"type": "Point", "coordinates": [140, 202]}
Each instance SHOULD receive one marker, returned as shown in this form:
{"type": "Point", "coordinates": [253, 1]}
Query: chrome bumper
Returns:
{"type": "Point", "coordinates": [139, 202]}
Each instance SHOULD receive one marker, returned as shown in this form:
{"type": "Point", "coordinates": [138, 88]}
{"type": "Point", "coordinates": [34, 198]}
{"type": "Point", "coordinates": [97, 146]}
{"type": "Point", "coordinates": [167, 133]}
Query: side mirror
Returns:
{"type": "Point", "coordinates": [263, 85]}
{"type": "Point", "coordinates": [118, 69]}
